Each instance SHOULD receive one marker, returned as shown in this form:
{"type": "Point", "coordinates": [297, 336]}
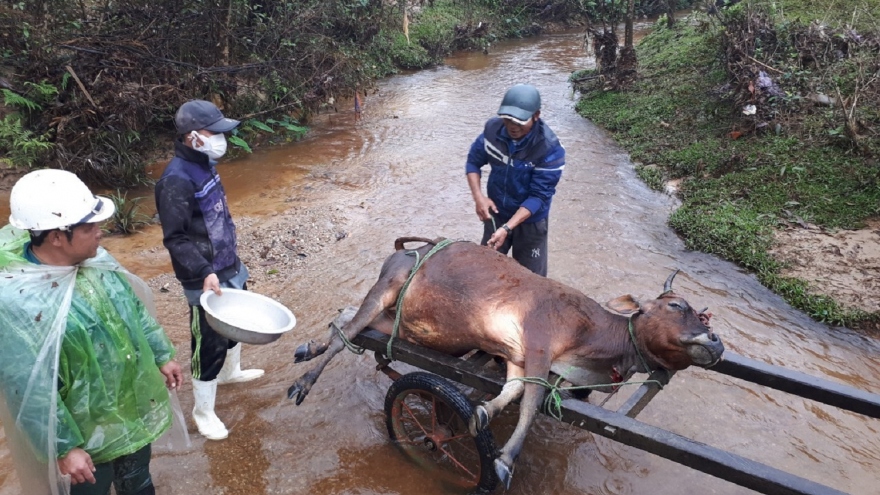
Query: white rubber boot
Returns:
{"type": "Point", "coordinates": [232, 372]}
{"type": "Point", "coordinates": [203, 413]}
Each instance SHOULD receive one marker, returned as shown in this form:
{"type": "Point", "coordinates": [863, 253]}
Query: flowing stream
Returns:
{"type": "Point", "coordinates": [400, 172]}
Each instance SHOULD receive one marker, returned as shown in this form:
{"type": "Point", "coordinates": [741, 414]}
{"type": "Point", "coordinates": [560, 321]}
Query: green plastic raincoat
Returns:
{"type": "Point", "coordinates": [79, 361]}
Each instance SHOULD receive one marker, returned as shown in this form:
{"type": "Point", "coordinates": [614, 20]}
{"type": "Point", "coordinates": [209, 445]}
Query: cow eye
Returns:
{"type": "Point", "coordinates": [676, 305]}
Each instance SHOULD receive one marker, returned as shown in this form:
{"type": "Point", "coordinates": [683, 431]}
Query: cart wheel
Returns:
{"type": "Point", "coordinates": [427, 417]}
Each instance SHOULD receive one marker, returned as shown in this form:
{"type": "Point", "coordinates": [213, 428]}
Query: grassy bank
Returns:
{"type": "Point", "coordinates": [736, 107]}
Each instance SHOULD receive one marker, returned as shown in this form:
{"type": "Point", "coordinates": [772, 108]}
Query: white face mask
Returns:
{"type": "Point", "coordinates": [213, 146]}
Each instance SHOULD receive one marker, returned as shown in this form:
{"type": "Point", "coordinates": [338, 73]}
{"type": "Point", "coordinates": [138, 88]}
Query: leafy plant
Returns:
{"type": "Point", "coordinates": [15, 100]}
{"type": "Point", "coordinates": [241, 143]}
{"type": "Point", "coordinates": [42, 91]}
{"type": "Point", "coordinates": [114, 159]}
{"type": "Point", "coordinates": [259, 125]}
{"type": "Point", "coordinates": [22, 147]}
{"type": "Point", "coordinates": [290, 125]}
{"type": "Point", "coordinates": [127, 217]}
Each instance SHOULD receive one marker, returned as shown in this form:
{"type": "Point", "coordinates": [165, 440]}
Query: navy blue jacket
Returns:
{"type": "Point", "coordinates": [522, 174]}
{"type": "Point", "coordinates": [196, 225]}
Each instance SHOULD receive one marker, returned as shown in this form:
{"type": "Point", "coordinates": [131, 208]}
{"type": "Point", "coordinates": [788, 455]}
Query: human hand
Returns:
{"type": "Point", "coordinates": [78, 464]}
{"type": "Point", "coordinates": [485, 207]}
{"type": "Point", "coordinates": [173, 374]}
{"type": "Point", "coordinates": [212, 283]}
{"type": "Point", "coordinates": [497, 240]}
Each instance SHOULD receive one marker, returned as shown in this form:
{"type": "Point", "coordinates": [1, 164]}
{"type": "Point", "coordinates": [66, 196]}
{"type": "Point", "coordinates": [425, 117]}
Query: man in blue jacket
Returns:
{"type": "Point", "coordinates": [526, 162]}
{"type": "Point", "coordinates": [200, 237]}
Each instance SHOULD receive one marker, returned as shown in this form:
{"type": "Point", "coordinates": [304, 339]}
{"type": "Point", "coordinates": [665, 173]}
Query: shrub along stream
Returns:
{"type": "Point", "coordinates": [766, 120]}
{"type": "Point", "coordinates": [92, 86]}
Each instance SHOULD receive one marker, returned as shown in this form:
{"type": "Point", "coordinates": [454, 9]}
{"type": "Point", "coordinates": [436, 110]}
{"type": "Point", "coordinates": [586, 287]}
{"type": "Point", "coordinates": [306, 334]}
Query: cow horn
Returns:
{"type": "Point", "coordinates": [667, 287]}
{"type": "Point", "coordinates": [400, 241]}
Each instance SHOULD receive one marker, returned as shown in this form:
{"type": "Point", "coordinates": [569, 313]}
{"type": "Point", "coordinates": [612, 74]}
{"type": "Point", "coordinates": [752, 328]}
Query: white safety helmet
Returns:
{"type": "Point", "coordinates": [55, 199]}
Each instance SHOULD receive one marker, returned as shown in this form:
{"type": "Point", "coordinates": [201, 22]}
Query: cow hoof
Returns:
{"type": "Point", "coordinates": [302, 354]}
{"type": "Point", "coordinates": [297, 390]}
{"type": "Point", "coordinates": [504, 473]}
{"type": "Point", "coordinates": [479, 421]}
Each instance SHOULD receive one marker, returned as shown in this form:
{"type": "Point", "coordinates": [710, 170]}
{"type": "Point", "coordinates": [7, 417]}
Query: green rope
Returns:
{"type": "Point", "coordinates": [348, 344]}
{"type": "Point", "coordinates": [419, 262]}
{"type": "Point", "coordinates": [632, 336]}
{"type": "Point", "coordinates": [553, 401]}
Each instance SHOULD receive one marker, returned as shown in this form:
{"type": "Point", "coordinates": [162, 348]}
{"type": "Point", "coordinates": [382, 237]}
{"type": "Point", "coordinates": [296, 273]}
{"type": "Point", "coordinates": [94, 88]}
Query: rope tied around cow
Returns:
{"type": "Point", "coordinates": [419, 262]}
{"type": "Point", "coordinates": [351, 346]}
{"type": "Point", "coordinates": [632, 338]}
{"type": "Point", "coordinates": [553, 401]}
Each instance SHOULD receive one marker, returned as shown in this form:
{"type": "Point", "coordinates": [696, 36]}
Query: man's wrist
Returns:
{"type": "Point", "coordinates": [507, 228]}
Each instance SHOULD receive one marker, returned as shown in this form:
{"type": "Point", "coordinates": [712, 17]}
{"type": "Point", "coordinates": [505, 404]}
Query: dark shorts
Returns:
{"type": "Point", "coordinates": [528, 241]}
{"type": "Point", "coordinates": [129, 474]}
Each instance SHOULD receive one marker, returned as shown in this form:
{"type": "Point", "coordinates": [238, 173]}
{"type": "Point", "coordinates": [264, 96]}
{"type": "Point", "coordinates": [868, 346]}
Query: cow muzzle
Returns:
{"type": "Point", "coordinates": [705, 350]}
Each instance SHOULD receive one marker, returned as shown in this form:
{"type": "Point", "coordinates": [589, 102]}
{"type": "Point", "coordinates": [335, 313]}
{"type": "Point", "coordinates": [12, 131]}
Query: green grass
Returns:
{"type": "Point", "coordinates": [861, 14]}
{"type": "Point", "coordinates": [677, 121]}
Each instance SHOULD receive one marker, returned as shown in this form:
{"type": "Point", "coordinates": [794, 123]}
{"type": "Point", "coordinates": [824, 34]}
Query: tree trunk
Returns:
{"type": "Point", "coordinates": [670, 13]}
{"type": "Point", "coordinates": [226, 34]}
{"type": "Point", "coordinates": [628, 30]}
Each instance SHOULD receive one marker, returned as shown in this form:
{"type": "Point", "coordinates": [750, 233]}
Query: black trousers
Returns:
{"type": "Point", "coordinates": [208, 347]}
{"type": "Point", "coordinates": [528, 241]}
{"type": "Point", "coordinates": [129, 474]}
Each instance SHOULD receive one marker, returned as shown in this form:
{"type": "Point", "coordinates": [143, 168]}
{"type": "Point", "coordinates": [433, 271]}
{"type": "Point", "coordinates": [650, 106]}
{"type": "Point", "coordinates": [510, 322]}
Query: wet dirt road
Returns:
{"type": "Point", "coordinates": [399, 172]}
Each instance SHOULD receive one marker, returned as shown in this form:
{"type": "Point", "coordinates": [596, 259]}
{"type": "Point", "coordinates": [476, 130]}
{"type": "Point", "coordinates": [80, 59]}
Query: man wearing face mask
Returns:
{"type": "Point", "coordinates": [200, 237]}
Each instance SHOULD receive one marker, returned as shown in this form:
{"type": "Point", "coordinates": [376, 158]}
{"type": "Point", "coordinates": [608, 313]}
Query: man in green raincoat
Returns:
{"type": "Point", "coordinates": [84, 365]}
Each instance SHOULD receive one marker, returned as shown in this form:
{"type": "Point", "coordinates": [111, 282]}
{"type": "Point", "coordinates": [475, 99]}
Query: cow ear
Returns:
{"type": "Point", "coordinates": [624, 305]}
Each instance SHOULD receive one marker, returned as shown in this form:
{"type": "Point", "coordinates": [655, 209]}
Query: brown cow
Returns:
{"type": "Point", "coordinates": [467, 296]}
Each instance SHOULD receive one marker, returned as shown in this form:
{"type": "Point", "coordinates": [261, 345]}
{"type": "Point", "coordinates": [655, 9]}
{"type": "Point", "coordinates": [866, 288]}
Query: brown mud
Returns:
{"type": "Point", "coordinates": [843, 265]}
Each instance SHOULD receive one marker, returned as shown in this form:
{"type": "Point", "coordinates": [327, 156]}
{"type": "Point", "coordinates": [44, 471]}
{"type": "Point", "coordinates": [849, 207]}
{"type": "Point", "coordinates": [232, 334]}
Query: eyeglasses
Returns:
{"type": "Point", "coordinates": [90, 215]}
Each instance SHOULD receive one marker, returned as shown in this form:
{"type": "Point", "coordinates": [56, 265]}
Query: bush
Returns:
{"type": "Point", "coordinates": [22, 147]}
{"type": "Point", "coordinates": [789, 162]}
{"type": "Point", "coordinates": [409, 55]}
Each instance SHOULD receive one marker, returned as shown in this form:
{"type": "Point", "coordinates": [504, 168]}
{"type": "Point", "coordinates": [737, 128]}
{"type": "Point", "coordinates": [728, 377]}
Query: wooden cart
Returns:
{"type": "Point", "coordinates": [427, 417]}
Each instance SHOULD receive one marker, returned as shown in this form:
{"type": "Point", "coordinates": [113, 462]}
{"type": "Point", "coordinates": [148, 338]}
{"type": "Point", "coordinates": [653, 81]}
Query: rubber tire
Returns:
{"type": "Point", "coordinates": [447, 393]}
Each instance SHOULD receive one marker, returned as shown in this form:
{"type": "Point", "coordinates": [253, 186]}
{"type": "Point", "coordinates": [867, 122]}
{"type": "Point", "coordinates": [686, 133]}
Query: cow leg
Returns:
{"type": "Point", "coordinates": [308, 351]}
{"type": "Point", "coordinates": [381, 296]}
{"type": "Point", "coordinates": [511, 391]}
{"type": "Point", "coordinates": [539, 366]}
{"type": "Point", "coordinates": [312, 349]}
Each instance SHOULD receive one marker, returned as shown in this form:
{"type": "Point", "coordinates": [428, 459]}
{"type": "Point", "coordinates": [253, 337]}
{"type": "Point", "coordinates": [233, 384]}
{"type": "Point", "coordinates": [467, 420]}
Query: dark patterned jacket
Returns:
{"type": "Point", "coordinates": [196, 225]}
{"type": "Point", "coordinates": [524, 173]}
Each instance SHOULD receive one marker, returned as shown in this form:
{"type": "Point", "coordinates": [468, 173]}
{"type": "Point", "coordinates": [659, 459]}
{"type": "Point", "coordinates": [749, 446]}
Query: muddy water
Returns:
{"type": "Point", "coordinates": [400, 172]}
